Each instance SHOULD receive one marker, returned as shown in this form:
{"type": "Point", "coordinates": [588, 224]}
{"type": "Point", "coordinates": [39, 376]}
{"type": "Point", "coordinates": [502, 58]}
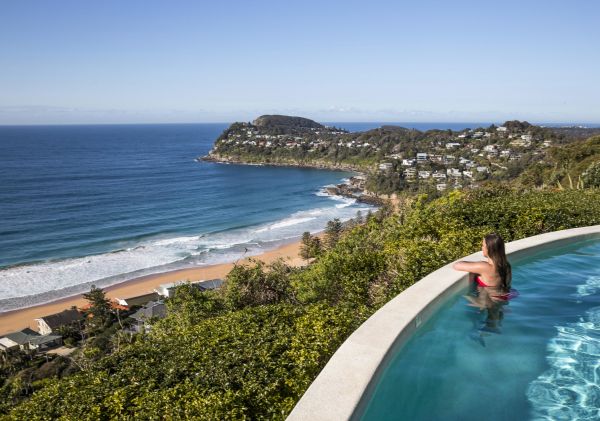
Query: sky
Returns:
{"type": "Point", "coordinates": [147, 61]}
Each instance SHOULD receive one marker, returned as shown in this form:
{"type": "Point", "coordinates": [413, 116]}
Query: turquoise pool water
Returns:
{"type": "Point", "coordinates": [536, 358]}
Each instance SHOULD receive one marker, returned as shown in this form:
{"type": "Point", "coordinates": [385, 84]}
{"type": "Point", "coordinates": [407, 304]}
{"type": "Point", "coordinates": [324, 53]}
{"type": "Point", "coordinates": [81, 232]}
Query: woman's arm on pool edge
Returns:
{"type": "Point", "coordinates": [473, 267]}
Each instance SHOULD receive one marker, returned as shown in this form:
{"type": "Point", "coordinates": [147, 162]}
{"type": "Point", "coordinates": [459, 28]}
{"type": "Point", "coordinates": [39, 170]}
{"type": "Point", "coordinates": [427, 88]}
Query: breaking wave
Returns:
{"type": "Point", "coordinates": [36, 283]}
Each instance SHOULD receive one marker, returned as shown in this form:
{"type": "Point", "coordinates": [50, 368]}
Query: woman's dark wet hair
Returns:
{"type": "Point", "coordinates": [497, 253]}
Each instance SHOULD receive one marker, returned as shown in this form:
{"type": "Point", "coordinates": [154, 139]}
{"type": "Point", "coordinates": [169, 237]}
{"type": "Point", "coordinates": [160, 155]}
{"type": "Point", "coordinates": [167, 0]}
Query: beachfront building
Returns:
{"type": "Point", "coordinates": [49, 324]}
{"type": "Point", "coordinates": [210, 284]}
{"type": "Point", "coordinates": [29, 340]}
{"type": "Point", "coordinates": [167, 290]}
{"type": "Point", "coordinates": [151, 311]}
{"type": "Point", "coordinates": [138, 300]}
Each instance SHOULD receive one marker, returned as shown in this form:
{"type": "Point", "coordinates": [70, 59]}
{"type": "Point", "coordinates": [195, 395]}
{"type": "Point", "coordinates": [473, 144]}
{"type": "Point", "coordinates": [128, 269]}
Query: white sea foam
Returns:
{"type": "Point", "coordinates": [285, 223]}
{"type": "Point", "coordinates": [570, 389]}
{"type": "Point", "coordinates": [32, 284]}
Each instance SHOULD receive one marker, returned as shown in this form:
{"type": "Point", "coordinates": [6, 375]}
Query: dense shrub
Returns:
{"type": "Point", "coordinates": [591, 176]}
{"type": "Point", "coordinates": [250, 363]}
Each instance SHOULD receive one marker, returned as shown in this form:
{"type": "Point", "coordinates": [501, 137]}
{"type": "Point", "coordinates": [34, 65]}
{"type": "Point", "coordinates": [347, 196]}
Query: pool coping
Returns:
{"type": "Point", "coordinates": [343, 388]}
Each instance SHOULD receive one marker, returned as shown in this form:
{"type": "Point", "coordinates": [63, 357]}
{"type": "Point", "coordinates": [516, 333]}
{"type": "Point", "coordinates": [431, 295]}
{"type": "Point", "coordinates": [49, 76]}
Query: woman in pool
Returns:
{"type": "Point", "coordinates": [493, 275]}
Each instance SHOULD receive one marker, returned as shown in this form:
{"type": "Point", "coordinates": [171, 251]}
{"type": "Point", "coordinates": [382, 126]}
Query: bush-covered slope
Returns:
{"type": "Point", "coordinates": [564, 165]}
{"type": "Point", "coordinates": [251, 350]}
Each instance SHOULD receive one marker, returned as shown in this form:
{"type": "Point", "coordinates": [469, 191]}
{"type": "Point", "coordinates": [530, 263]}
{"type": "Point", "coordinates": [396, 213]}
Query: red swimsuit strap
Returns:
{"type": "Point", "coordinates": [480, 282]}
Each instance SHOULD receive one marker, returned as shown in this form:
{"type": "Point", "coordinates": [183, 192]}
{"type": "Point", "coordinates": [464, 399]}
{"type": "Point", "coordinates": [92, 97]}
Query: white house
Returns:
{"type": "Point", "coordinates": [501, 129]}
{"type": "Point", "coordinates": [167, 290]}
{"type": "Point", "coordinates": [449, 158]}
{"type": "Point", "coordinates": [410, 172]}
{"type": "Point", "coordinates": [422, 157]}
{"type": "Point", "coordinates": [48, 324]}
{"type": "Point", "coordinates": [521, 142]}
{"type": "Point", "coordinates": [490, 148]}
{"type": "Point", "coordinates": [408, 162]}
{"type": "Point", "coordinates": [482, 169]}
{"type": "Point", "coordinates": [453, 172]}
{"type": "Point", "coordinates": [452, 145]}
{"type": "Point", "coordinates": [424, 174]}
{"type": "Point", "coordinates": [440, 186]}
{"type": "Point", "coordinates": [468, 174]}
{"type": "Point", "coordinates": [386, 166]}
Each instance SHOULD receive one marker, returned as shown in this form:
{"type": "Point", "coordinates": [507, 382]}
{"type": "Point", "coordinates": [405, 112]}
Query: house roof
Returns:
{"type": "Point", "coordinates": [23, 336]}
{"type": "Point", "coordinates": [203, 285]}
{"type": "Point", "coordinates": [65, 317]}
{"type": "Point", "coordinates": [151, 310]}
{"type": "Point", "coordinates": [40, 340]}
{"type": "Point", "coordinates": [139, 299]}
{"type": "Point", "coordinates": [210, 284]}
{"type": "Point", "coordinates": [7, 343]}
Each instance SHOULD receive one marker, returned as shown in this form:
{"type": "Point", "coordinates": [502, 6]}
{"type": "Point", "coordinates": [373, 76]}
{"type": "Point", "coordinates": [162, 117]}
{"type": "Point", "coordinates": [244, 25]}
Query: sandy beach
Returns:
{"type": "Point", "coordinates": [19, 319]}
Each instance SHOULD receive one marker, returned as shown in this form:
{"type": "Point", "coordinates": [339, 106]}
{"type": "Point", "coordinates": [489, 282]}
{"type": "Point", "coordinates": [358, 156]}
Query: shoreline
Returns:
{"type": "Point", "coordinates": [308, 165]}
{"type": "Point", "coordinates": [14, 320]}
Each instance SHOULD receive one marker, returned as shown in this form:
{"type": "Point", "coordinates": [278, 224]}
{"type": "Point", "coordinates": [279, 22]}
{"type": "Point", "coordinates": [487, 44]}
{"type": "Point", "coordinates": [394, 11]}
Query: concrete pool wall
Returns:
{"type": "Point", "coordinates": [343, 388]}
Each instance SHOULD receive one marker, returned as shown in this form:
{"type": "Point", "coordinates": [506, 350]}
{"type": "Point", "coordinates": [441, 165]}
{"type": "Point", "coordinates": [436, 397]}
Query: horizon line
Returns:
{"type": "Point", "coordinates": [385, 121]}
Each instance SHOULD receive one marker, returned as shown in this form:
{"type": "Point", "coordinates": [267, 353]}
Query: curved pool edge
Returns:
{"type": "Point", "coordinates": [343, 388]}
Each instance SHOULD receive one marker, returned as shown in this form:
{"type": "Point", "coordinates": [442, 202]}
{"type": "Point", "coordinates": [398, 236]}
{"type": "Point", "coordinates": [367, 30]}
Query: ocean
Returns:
{"type": "Point", "coordinates": [100, 204]}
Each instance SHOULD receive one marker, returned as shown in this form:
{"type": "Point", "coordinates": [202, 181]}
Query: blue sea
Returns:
{"type": "Point", "coordinates": [83, 205]}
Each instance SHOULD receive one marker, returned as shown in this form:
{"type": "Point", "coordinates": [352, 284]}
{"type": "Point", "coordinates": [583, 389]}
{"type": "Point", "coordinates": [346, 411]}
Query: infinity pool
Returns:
{"type": "Point", "coordinates": [536, 358]}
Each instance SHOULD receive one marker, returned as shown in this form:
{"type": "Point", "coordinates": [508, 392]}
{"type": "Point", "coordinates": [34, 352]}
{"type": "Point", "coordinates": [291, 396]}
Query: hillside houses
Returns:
{"type": "Point", "coordinates": [470, 155]}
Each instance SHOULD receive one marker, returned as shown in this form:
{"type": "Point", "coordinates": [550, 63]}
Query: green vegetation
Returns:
{"type": "Point", "coordinates": [591, 176]}
{"type": "Point", "coordinates": [310, 246]}
{"type": "Point", "coordinates": [565, 166]}
{"type": "Point", "coordinates": [249, 350]}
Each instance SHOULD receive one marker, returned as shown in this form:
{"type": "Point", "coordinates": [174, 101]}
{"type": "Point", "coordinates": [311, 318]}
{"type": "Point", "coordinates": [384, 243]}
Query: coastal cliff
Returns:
{"type": "Point", "coordinates": [282, 141]}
